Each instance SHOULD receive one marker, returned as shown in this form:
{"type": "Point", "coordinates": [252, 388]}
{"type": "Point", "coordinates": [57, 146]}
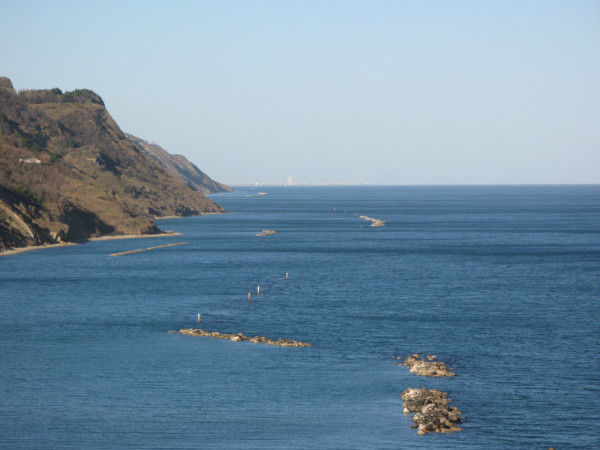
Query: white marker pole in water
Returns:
{"type": "Point", "coordinates": [249, 297]}
{"type": "Point", "coordinates": [258, 290]}
{"type": "Point", "coordinates": [286, 275]}
{"type": "Point", "coordinates": [199, 317]}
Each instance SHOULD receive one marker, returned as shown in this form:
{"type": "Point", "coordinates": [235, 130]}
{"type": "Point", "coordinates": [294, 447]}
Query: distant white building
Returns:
{"type": "Point", "coordinates": [30, 161]}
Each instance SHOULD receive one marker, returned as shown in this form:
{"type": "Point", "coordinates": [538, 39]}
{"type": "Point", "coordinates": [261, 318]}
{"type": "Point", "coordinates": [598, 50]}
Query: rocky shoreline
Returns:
{"type": "Point", "coordinates": [239, 337]}
{"type": "Point", "coordinates": [432, 411]}
{"type": "Point", "coordinates": [430, 368]}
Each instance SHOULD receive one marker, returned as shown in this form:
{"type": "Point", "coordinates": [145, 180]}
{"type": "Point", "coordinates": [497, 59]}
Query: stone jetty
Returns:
{"type": "Point", "coordinates": [427, 368]}
{"type": "Point", "coordinates": [239, 337]}
{"type": "Point", "coordinates": [266, 232]}
{"type": "Point", "coordinates": [374, 222]}
{"type": "Point", "coordinates": [139, 250]}
{"type": "Point", "coordinates": [432, 413]}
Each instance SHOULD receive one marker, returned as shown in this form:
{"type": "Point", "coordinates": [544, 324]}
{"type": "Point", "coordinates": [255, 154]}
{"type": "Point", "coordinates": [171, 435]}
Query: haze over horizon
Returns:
{"type": "Point", "coordinates": [383, 92]}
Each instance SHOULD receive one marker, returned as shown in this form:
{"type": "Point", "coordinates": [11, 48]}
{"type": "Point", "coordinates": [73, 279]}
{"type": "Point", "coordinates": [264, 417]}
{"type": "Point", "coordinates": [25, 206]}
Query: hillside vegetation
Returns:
{"type": "Point", "coordinates": [68, 172]}
{"type": "Point", "coordinates": [179, 166]}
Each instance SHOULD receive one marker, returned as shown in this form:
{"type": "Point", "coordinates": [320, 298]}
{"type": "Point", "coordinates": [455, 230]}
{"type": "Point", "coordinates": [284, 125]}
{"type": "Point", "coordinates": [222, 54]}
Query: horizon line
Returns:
{"type": "Point", "coordinates": [408, 184]}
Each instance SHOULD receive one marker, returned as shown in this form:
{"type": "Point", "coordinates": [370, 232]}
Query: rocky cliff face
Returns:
{"type": "Point", "coordinates": [68, 172]}
{"type": "Point", "coordinates": [181, 167]}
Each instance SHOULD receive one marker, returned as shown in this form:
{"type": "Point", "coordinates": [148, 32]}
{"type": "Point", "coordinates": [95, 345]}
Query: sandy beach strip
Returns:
{"type": "Point", "coordinates": [134, 236]}
{"type": "Point", "coordinates": [15, 251]}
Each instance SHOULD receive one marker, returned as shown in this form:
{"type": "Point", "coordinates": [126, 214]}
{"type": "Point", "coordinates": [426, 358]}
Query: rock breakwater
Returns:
{"type": "Point", "coordinates": [374, 222]}
{"type": "Point", "coordinates": [431, 368]}
{"type": "Point", "coordinates": [239, 337]}
{"type": "Point", "coordinates": [139, 250]}
{"type": "Point", "coordinates": [266, 232]}
{"type": "Point", "coordinates": [432, 413]}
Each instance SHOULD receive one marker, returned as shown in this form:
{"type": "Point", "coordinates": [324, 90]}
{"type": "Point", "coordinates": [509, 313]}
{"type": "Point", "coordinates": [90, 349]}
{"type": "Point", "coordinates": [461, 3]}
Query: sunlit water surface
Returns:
{"type": "Point", "coordinates": [502, 283]}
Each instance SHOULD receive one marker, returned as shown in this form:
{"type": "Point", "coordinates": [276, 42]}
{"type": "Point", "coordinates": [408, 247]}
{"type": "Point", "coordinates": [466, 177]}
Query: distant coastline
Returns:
{"type": "Point", "coordinates": [324, 184]}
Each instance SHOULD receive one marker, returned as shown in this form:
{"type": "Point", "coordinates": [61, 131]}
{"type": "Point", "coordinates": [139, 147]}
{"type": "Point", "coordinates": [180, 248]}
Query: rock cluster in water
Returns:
{"type": "Point", "coordinates": [430, 405]}
{"type": "Point", "coordinates": [240, 337]}
{"type": "Point", "coordinates": [374, 222]}
{"type": "Point", "coordinates": [432, 411]}
{"type": "Point", "coordinates": [430, 368]}
{"type": "Point", "coordinates": [266, 232]}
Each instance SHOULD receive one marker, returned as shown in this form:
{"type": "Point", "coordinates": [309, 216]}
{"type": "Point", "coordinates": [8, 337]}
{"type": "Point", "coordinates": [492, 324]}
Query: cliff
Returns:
{"type": "Point", "coordinates": [68, 172]}
{"type": "Point", "coordinates": [181, 167]}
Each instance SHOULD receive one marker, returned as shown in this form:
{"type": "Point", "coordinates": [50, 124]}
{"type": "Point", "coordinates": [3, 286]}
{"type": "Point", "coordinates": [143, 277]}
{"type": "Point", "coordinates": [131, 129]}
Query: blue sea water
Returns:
{"type": "Point", "coordinates": [501, 283]}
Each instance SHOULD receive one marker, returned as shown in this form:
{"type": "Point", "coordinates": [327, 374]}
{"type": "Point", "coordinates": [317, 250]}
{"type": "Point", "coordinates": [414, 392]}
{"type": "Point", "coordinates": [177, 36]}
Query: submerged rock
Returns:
{"type": "Point", "coordinates": [238, 337]}
{"type": "Point", "coordinates": [432, 411]}
{"type": "Point", "coordinates": [431, 368]}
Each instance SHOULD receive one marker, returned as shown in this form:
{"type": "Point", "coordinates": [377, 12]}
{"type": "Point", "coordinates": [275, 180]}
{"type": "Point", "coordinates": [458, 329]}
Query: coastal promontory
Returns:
{"type": "Point", "coordinates": [69, 173]}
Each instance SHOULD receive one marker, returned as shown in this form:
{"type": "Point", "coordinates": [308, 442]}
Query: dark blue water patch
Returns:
{"type": "Point", "coordinates": [500, 282]}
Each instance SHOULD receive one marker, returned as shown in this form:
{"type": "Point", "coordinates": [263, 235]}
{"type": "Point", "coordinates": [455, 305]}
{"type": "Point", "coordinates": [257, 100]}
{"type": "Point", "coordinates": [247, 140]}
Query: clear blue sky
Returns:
{"type": "Point", "coordinates": [390, 92]}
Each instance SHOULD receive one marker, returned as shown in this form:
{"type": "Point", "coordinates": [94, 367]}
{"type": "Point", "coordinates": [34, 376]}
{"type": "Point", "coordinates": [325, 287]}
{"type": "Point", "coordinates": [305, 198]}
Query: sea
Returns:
{"type": "Point", "coordinates": [502, 283]}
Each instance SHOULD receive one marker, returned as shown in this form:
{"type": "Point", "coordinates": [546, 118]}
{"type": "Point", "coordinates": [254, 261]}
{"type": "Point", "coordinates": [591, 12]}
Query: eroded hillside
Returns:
{"type": "Point", "coordinates": [181, 167]}
{"type": "Point", "coordinates": [68, 172]}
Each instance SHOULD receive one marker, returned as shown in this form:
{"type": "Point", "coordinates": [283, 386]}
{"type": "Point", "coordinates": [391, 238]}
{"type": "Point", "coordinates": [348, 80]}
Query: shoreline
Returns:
{"type": "Point", "coordinates": [16, 251]}
{"type": "Point", "coordinates": [132, 236]}
{"type": "Point", "coordinates": [182, 217]}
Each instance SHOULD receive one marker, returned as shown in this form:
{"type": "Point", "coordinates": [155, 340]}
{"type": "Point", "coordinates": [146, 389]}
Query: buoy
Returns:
{"type": "Point", "coordinates": [199, 317]}
{"type": "Point", "coordinates": [286, 275]}
{"type": "Point", "coordinates": [258, 290]}
{"type": "Point", "coordinates": [249, 297]}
